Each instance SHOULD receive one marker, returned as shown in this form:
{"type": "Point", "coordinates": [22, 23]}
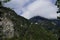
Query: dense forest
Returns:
{"type": "Point", "coordinates": [15, 27]}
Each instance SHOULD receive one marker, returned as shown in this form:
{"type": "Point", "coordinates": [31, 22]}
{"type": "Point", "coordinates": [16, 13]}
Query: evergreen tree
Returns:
{"type": "Point", "coordinates": [3, 1]}
{"type": "Point", "coordinates": [58, 5]}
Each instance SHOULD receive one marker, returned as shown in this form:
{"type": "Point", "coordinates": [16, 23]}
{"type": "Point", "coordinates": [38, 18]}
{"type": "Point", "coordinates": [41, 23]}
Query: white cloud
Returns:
{"type": "Point", "coordinates": [17, 5]}
{"type": "Point", "coordinates": [43, 8]}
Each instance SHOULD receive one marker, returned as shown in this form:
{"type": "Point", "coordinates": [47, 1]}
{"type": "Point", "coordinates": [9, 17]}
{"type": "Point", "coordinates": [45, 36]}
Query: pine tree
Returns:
{"type": "Point", "coordinates": [3, 1]}
{"type": "Point", "coordinates": [58, 5]}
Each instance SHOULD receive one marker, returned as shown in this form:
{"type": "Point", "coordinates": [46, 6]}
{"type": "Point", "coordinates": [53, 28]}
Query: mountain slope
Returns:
{"type": "Point", "coordinates": [20, 24]}
{"type": "Point", "coordinates": [21, 28]}
{"type": "Point", "coordinates": [39, 19]}
{"type": "Point", "coordinates": [52, 25]}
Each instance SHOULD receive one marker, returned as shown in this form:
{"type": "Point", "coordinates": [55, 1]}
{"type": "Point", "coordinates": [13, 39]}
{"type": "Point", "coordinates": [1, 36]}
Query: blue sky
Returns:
{"type": "Point", "coordinates": [22, 6]}
{"type": "Point", "coordinates": [53, 1]}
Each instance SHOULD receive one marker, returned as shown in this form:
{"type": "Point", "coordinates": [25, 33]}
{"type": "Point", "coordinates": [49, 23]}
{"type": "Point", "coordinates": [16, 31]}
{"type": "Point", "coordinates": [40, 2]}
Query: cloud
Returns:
{"type": "Point", "coordinates": [43, 8]}
{"type": "Point", "coordinates": [17, 5]}
{"type": "Point", "coordinates": [31, 8]}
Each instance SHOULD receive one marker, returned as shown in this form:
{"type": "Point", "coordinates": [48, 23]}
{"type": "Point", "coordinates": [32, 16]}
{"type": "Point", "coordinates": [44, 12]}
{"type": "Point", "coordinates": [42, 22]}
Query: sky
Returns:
{"type": "Point", "coordinates": [31, 8]}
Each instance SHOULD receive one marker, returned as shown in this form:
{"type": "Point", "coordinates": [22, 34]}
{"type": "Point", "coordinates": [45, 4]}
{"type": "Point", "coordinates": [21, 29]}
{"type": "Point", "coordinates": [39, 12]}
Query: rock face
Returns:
{"type": "Point", "coordinates": [8, 28]}
{"type": "Point", "coordinates": [7, 25]}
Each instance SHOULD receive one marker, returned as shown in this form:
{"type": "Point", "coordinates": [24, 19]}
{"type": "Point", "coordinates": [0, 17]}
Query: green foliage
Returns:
{"type": "Point", "coordinates": [6, 1]}
{"type": "Point", "coordinates": [37, 32]}
{"type": "Point", "coordinates": [58, 5]}
{"type": "Point", "coordinates": [3, 1]}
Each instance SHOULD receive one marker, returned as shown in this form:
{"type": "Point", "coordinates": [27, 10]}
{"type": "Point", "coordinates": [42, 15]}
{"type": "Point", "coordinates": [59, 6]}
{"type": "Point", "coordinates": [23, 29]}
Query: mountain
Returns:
{"type": "Point", "coordinates": [15, 27]}
{"type": "Point", "coordinates": [49, 24]}
{"type": "Point", "coordinates": [39, 19]}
